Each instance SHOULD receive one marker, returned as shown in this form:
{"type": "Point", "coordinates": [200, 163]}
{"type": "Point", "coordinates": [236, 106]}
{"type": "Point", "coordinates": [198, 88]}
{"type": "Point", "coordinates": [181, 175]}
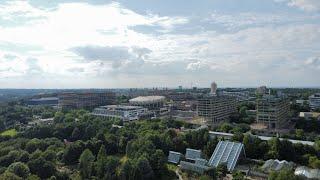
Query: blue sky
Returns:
{"type": "Point", "coordinates": [153, 43]}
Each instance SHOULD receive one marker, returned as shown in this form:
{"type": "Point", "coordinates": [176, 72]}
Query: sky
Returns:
{"type": "Point", "coordinates": [159, 43]}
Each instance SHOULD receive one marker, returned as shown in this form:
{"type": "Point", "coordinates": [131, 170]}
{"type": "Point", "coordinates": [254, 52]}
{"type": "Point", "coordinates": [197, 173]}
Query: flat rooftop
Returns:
{"type": "Point", "coordinates": [122, 107]}
{"type": "Point", "coordinates": [147, 99]}
{"type": "Point", "coordinates": [45, 99]}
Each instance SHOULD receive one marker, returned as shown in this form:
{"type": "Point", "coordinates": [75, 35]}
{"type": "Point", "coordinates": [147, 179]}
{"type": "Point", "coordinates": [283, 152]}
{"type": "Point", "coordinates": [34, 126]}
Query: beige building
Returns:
{"type": "Point", "coordinates": [309, 115]}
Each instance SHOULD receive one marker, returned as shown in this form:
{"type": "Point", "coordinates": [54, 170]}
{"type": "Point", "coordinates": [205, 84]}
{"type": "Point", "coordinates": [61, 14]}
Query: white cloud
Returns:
{"type": "Point", "coordinates": [16, 66]}
{"type": "Point", "coordinates": [305, 5]}
{"type": "Point", "coordinates": [14, 10]}
{"type": "Point", "coordinates": [77, 25]}
{"type": "Point", "coordinates": [313, 62]}
{"type": "Point", "coordinates": [97, 45]}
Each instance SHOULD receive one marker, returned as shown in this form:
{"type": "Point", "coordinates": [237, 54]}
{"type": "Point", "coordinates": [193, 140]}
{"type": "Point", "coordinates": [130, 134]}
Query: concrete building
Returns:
{"type": "Point", "coordinates": [125, 113]}
{"type": "Point", "coordinates": [216, 109]}
{"type": "Point", "coordinates": [184, 105]}
{"type": "Point", "coordinates": [251, 113]}
{"type": "Point", "coordinates": [179, 96]}
{"type": "Point", "coordinates": [314, 101]}
{"type": "Point", "coordinates": [302, 102]}
{"type": "Point", "coordinates": [239, 95]}
{"type": "Point", "coordinates": [85, 100]}
{"type": "Point", "coordinates": [183, 115]}
{"type": "Point", "coordinates": [273, 112]}
{"type": "Point", "coordinates": [150, 102]}
{"type": "Point", "coordinates": [261, 90]}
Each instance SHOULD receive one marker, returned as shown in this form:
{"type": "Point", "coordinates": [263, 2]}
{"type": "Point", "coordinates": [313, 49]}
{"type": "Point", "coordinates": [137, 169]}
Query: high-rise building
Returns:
{"type": "Point", "coordinates": [261, 90]}
{"type": "Point", "coordinates": [272, 111]}
{"type": "Point", "coordinates": [239, 95]}
{"type": "Point", "coordinates": [314, 101]}
{"type": "Point", "coordinates": [216, 109]}
{"type": "Point", "coordinates": [85, 100]}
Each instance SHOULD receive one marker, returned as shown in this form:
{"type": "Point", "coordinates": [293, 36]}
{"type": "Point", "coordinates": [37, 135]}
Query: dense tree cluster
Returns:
{"type": "Point", "coordinates": [13, 113]}
{"type": "Point", "coordinates": [232, 128]}
{"type": "Point", "coordinates": [284, 174]}
{"type": "Point", "coordinates": [283, 150]}
{"type": "Point", "coordinates": [311, 125]}
{"type": "Point", "coordinates": [80, 145]}
{"type": "Point", "coordinates": [242, 116]}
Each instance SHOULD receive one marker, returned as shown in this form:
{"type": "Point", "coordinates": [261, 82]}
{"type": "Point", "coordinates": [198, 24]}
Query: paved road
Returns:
{"type": "Point", "coordinates": [264, 138]}
{"type": "Point", "coordinates": [178, 174]}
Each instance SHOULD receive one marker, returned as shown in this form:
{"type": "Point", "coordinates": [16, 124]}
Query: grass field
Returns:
{"type": "Point", "coordinates": [9, 132]}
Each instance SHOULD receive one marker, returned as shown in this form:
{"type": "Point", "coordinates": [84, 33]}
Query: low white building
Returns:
{"type": "Point", "coordinates": [125, 113]}
{"type": "Point", "coordinates": [276, 165]}
{"type": "Point", "coordinates": [308, 115]}
{"type": "Point", "coordinates": [307, 172]}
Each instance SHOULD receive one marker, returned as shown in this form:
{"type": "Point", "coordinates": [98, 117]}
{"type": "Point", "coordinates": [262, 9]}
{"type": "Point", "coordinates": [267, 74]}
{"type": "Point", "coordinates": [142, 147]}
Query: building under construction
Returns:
{"type": "Point", "coordinates": [215, 108]}
{"type": "Point", "coordinates": [272, 111]}
{"type": "Point", "coordinates": [78, 100]}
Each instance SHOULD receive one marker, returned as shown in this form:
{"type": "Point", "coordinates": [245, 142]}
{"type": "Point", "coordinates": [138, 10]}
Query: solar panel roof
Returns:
{"type": "Point", "coordinates": [226, 152]}
{"type": "Point", "coordinates": [193, 167]}
{"type": "Point", "coordinates": [174, 157]}
{"type": "Point", "coordinates": [193, 154]}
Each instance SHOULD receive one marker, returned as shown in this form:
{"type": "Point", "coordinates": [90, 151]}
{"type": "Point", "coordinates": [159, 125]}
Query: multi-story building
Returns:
{"type": "Point", "coordinates": [261, 90]}
{"type": "Point", "coordinates": [85, 100]}
{"type": "Point", "coordinates": [48, 101]}
{"type": "Point", "coordinates": [314, 101]}
{"type": "Point", "coordinates": [216, 109]}
{"type": "Point", "coordinates": [251, 113]}
{"type": "Point", "coordinates": [180, 96]}
{"type": "Point", "coordinates": [272, 111]}
{"type": "Point", "coordinates": [239, 95]}
{"type": "Point", "coordinates": [184, 105]}
{"type": "Point", "coordinates": [125, 113]}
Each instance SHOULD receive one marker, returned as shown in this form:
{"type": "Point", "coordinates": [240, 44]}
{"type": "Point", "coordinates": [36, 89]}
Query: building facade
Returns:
{"type": "Point", "coordinates": [216, 109]}
{"type": "Point", "coordinates": [47, 101]}
{"type": "Point", "coordinates": [261, 90]}
{"type": "Point", "coordinates": [125, 113]}
{"type": "Point", "coordinates": [239, 95]}
{"type": "Point", "coordinates": [272, 111]}
{"type": "Point", "coordinates": [85, 100]}
{"type": "Point", "coordinates": [314, 101]}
